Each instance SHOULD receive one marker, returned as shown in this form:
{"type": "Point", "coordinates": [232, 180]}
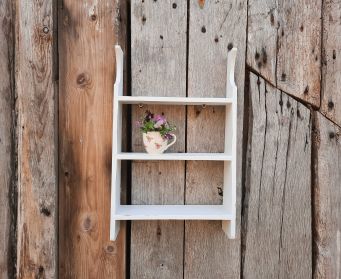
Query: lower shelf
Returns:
{"type": "Point", "coordinates": [172, 212]}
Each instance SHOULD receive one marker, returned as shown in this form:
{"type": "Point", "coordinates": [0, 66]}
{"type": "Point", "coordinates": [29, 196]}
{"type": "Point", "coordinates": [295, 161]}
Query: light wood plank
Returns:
{"type": "Point", "coordinates": [88, 31]}
{"type": "Point", "coordinates": [214, 27]}
{"type": "Point", "coordinates": [331, 63]}
{"type": "Point", "coordinates": [158, 60]}
{"type": "Point", "coordinates": [7, 145]}
{"type": "Point", "coordinates": [277, 241]}
{"type": "Point", "coordinates": [327, 198]}
{"type": "Point", "coordinates": [284, 45]}
{"type": "Point", "coordinates": [37, 145]}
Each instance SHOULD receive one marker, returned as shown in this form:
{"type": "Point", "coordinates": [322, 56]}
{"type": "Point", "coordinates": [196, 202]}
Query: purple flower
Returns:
{"type": "Point", "coordinates": [168, 136]}
{"type": "Point", "coordinates": [149, 115]}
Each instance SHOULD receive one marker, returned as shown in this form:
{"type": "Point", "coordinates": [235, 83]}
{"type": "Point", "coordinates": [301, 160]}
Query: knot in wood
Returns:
{"type": "Point", "coordinates": [83, 80]}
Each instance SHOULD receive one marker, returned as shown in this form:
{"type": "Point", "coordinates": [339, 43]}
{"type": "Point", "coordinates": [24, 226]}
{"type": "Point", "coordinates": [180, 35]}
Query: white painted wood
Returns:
{"type": "Point", "coordinates": [175, 156]}
{"type": "Point", "coordinates": [116, 144]}
{"type": "Point", "coordinates": [172, 212]}
{"type": "Point", "coordinates": [174, 100]}
{"type": "Point", "coordinates": [230, 168]}
{"type": "Point", "coordinates": [225, 212]}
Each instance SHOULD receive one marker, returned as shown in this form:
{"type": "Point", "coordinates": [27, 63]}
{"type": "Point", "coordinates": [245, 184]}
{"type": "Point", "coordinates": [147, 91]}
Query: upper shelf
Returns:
{"type": "Point", "coordinates": [173, 100]}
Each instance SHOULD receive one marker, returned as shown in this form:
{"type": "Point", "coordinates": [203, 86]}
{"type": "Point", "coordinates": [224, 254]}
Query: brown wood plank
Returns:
{"type": "Point", "coordinates": [37, 145]}
{"type": "Point", "coordinates": [277, 203]}
{"type": "Point", "coordinates": [284, 45]}
{"type": "Point", "coordinates": [327, 198]}
{"type": "Point", "coordinates": [331, 63]}
{"type": "Point", "coordinates": [214, 27]}
{"type": "Point", "coordinates": [158, 60]}
{"type": "Point", "coordinates": [87, 34]}
{"type": "Point", "coordinates": [7, 171]}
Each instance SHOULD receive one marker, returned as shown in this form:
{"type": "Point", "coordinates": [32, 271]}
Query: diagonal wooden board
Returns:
{"type": "Point", "coordinates": [158, 68]}
{"type": "Point", "coordinates": [277, 241]}
{"type": "Point", "coordinates": [214, 27]}
{"type": "Point", "coordinates": [327, 198]}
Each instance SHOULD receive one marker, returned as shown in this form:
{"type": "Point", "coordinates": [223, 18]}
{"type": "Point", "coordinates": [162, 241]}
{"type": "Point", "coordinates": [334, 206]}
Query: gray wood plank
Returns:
{"type": "Point", "coordinates": [284, 45]}
{"type": "Point", "coordinates": [327, 198]}
{"type": "Point", "coordinates": [158, 61]}
{"type": "Point", "coordinates": [277, 240]}
{"type": "Point", "coordinates": [331, 63]}
{"type": "Point", "coordinates": [37, 144]}
{"type": "Point", "coordinates": [7, 171]}
{"type": "Point", "coordinates": [214, 27]}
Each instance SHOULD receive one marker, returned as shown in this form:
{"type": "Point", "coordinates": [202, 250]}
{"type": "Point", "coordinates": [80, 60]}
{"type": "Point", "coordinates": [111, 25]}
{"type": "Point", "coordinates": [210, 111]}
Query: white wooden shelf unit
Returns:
{"type": "Point", "coordinates": [225, 212]}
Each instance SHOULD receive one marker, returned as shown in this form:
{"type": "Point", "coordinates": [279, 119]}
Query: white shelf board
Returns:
{"type": "Point", "coordinates": [173, 100]}
{"type": "Point", "coordinates": [174, 156]}
{"type": "Point", "coordinates": [172, 212]}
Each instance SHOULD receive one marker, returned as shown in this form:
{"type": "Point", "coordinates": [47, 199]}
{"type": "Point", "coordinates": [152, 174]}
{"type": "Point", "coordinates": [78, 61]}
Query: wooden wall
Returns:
{"type": "Point", "coordinates": [56, 78]}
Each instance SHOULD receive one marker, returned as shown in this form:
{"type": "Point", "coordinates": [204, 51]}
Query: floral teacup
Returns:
{"type": "Point", "coordinates": [154, 143]}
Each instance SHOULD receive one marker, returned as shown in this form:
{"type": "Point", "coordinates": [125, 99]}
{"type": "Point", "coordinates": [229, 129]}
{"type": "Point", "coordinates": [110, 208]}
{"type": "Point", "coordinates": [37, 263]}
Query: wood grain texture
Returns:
{"type": "Point", "coordinates": [6, 138]}
{"type": "Point", "coordinates": [87, 34]}
{"type": "Point", "coordinates": [284, 45]}
{"type": "Point", "coordinates": [277, 204]}
{"type": "Point", "coordinates": [214, 27]}
{"type": "Point", "coordinates": [331, 63]}
{"type": "Point", "coordinates": [158, 67]}
{"type": "Point", "coordinates": [37, 145]}
{"type": "Point", "coordinates": [327, 198]}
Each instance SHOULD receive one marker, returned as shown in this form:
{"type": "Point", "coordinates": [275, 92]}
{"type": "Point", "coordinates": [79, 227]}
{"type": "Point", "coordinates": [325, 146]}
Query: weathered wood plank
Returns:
{"type": "Point", "coordinates": [284, 45]}
{"type": "Point", "coordinates": [327, 198]}
{"type": "Point", "coordinates": [7, 266]}
{"type": "Point", "coordinates": [214, 27]}
{"type": "Point", "coordinates": [262, 36]}
{"type": "Point", "coordinates": [277, 205]}
{"type": "Point", "coordinates": [86, 68]}
{"type": "Point", "coordinates": [331, 63]}
{"type": "Point", "coordinates": [37, 145]}
{"type": "Point", "coordinates": [158, 60]}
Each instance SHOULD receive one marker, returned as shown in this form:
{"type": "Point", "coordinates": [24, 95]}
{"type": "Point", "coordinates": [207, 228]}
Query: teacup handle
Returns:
{"type": "Point", "coordinates": [169, 145]}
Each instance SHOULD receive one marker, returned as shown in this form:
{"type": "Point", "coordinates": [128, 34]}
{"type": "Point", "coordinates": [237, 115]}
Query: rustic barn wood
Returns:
{"type": "Point", "coordinates": [214, 28]}
{"type": "Point", "coordinates": [284, 45]}
{"type": "Point", "coordinates": [327, 198]}
{"type": "Point", "coordinates": [158, 68]}
{"type": "Point", "coordinates": [86, 69]}
{"type": "Point", "coordinates": [37, 145]}
{"type": "Point", "coordinates": [6, 140]}
{"type": "Point", "coordinates": [331, 63]}
{"type": "Point", "coordinates": [277, 203]}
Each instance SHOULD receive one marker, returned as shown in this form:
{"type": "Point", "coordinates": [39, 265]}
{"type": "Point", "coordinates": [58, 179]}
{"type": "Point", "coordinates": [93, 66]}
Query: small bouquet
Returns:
{"type": "Point", "coordinates": [156, 132]}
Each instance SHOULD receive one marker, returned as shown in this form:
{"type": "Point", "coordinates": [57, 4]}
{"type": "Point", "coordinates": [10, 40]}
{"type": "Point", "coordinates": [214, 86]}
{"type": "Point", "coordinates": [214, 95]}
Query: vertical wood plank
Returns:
{"type": "Point", "coordinates": [214, 27]}
{"type": "Point", "coordinates": [37, 145]}
{"type": "Point", "coordinates": [284, 45]}
{"type": "Point", "coordinates": [277, 203]}
{"type": "Point", "coordinates": [327, 198]}
{"type": "Point", "coordinates": [331, 63]}
{"type": "Point", "coordinates": [262, 36]}
{"type": "Point", "coordinates": [158, 67]}
{"type": "Point", "coordinates": [6, 138]}
{"type": "Point", "coordinates": [87, 34]}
